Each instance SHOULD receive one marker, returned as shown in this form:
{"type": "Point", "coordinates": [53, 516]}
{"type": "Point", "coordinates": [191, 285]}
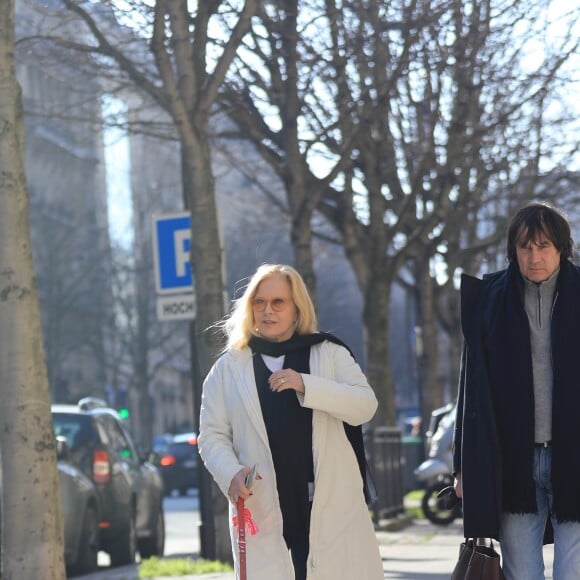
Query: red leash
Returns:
{"type": "Point", "coordinates": [242, 537]}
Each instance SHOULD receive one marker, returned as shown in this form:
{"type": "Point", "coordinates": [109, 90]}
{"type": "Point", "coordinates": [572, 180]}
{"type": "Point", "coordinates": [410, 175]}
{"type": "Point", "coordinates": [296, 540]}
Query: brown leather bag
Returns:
{"type": "Point", "coordinates": [477, 562]}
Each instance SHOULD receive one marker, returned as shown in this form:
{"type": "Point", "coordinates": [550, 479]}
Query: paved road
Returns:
{"type": "Point", "coordinates": [182, 525]}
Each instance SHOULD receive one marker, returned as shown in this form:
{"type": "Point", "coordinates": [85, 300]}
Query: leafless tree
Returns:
{"type": "Point", "coordinates": [31, 509]}
{"type": "Point", "coordinates": [505, 148]}
{"type": "Point", "coordinates": [400, 121]}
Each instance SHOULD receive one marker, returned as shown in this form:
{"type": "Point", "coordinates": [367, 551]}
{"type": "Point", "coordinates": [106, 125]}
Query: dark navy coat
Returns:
{"type": "Point", "coordinates": [476, 445]}
{"type": "Point", "coordinates": [477, 449]}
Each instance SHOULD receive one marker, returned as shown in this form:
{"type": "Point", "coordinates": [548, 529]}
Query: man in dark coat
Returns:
{"type": "Point", "coordinates": [516, 455]}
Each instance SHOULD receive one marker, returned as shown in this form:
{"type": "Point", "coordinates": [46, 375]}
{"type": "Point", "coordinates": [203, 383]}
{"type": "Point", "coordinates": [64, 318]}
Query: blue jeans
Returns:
{"type": "Point", "coordinates": [521, 535]}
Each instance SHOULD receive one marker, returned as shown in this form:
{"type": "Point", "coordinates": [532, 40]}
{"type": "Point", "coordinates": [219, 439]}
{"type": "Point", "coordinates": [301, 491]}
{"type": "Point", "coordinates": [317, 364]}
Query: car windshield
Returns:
{"type": "Point", "coordinates": [74, 427]}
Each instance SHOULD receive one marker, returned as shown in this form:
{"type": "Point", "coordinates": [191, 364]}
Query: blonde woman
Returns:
{"type": "Point", "coordinates": [290, 400]}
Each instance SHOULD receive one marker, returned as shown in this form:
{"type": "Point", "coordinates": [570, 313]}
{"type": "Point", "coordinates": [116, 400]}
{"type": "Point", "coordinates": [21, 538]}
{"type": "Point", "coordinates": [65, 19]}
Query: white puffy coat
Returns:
{"type": "Point", "coordinates": [343, 544]}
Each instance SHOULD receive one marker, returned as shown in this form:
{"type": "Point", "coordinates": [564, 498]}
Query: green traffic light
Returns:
{"type": "Point", "coordinates": [124, 413]}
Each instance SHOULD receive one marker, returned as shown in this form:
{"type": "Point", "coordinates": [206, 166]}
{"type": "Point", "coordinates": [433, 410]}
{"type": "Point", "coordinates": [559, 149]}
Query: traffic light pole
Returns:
{"type": "Point", "coordinates": [207, 526]}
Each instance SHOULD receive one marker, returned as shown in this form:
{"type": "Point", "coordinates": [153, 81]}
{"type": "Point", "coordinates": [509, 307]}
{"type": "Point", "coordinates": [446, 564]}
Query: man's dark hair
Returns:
{"type": "Point", "coordinates": [540, 220]}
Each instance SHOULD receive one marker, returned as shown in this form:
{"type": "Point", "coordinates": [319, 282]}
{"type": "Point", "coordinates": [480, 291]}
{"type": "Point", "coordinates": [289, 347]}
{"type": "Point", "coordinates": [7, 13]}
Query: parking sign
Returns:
{"type": "Point", "coordinates": [171, 252]}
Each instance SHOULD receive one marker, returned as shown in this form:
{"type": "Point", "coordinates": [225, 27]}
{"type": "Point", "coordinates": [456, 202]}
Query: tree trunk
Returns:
{"type": "Point", "coordinates": [141, 362]}
{"type": "Point", "coordinates": [301, 238]}
{"type": "Point", "coordinates": [374, 275]}
{"type": "Point", "coordinates": [207, 269]}
{"type": "Point", "coordinates": [31, 506]}
{"type": "Point", "coordinates": [430, 386]}
{"type": "Point", "coordinates": [206, 247]}
{"type": "Point", "coordinates": [376, 321]}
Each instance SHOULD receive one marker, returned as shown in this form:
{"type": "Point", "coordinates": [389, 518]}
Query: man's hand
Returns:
{"type": "Point", "coordinates": [457, 485]}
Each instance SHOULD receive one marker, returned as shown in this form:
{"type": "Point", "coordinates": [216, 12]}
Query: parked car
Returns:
{"type": "Point", "coordinates": [161, 443]}
{"type": "Point", "coordinates": [80, 506]}
{"type": "Point", "coordinates": [178, 464]}
{"type": "Point", "coordinates": [81, 514]}
{"type": "Point", "coordinates": [129, 487]}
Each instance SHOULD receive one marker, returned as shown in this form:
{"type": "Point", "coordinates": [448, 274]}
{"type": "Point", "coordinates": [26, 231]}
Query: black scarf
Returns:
{"type": "Point", "coordinates": [354, 434]}
{"type": "Point", "coordinates": [508, 350]}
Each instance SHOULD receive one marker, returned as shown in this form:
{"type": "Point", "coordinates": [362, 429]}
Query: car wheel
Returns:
{"type": "Point", "coordinates": [155, 544]}
{"type": "Point", "coordinates": [123, 551]}
{"type": "Point", "coordinates": [87, 554]}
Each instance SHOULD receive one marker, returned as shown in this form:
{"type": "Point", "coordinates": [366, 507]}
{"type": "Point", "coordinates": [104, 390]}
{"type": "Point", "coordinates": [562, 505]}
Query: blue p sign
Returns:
{"type": "Point", "coordinates": [171, 252]}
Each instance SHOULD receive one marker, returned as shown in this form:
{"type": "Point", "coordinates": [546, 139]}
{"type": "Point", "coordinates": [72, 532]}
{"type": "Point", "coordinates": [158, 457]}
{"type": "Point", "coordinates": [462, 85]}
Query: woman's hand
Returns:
{"type": "Point", "coordinates": [457, 485]}
{"type": "Point", "coordinates": [286, 379]}
{"type": "Point", "coordinates": [238, 487]}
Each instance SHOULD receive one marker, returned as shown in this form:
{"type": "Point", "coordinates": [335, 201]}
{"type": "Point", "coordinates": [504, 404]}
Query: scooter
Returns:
{"type": "Point", "coordinates": [435, 472]}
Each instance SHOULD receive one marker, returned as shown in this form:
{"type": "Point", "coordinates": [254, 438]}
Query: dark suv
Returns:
{"type": "Point", "coordinates": [129, 488]}
{"type": "Point", "coordinates": [178, 463]}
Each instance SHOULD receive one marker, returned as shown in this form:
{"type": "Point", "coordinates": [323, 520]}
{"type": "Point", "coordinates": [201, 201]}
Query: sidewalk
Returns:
{"type": "Point", "coordinates": [417, 551]}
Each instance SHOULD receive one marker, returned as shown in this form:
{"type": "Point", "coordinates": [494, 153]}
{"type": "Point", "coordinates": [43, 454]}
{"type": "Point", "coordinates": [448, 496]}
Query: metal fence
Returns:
{"type": "Point", "coordinates": [385, 450]}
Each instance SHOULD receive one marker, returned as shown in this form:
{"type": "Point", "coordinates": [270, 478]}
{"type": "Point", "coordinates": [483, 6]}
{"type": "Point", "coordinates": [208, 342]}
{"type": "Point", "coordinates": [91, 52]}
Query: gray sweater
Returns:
{"type": "Point", "coordinates": [538, 302]}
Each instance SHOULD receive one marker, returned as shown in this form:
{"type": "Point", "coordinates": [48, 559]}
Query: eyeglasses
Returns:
{"type": "Point", "coordinates": [277, 304]}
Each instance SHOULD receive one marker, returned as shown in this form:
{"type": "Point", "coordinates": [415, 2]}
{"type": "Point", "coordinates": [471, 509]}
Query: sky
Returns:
{"type": "Point", "coordinates": [117, 171]}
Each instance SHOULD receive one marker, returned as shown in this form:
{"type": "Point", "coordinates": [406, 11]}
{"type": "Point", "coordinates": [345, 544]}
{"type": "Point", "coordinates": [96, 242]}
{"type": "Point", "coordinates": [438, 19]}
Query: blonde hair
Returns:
{"type": "Point", "coordinates": [239, 326]}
